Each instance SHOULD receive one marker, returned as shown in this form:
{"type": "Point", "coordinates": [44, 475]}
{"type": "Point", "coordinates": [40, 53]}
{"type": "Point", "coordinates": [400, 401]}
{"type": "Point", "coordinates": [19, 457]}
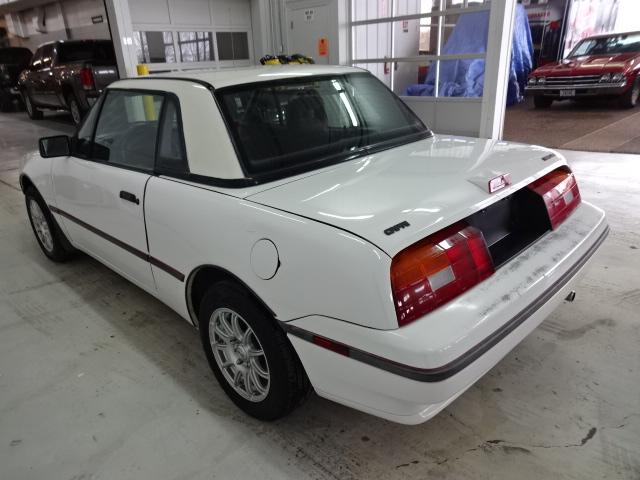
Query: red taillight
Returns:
{"type": "Point", "coordinates": [559, 191]}
{"type": "Point", "coordinates": [438, 269]}
{"type": "Point", "coordinates": [86, 78]}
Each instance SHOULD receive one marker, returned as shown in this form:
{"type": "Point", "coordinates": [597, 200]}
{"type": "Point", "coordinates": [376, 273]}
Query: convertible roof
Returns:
{"type": "Point", "coordinates": [239, 76]}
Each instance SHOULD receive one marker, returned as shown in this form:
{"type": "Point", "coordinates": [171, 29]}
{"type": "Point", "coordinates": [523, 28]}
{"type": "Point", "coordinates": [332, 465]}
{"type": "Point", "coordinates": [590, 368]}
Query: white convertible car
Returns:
{"type": "Point", "coordinates": [316, 232]}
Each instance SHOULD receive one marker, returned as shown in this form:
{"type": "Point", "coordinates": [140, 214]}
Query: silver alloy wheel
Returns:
{"type": "Point", "coordinates": [635, 93]}
{"type": "Point", "coordinates": [40, 225]}
{"type": "Point", "coordinates": [75, 111]}
{"type": "Point", "coordinates": [239, 354]}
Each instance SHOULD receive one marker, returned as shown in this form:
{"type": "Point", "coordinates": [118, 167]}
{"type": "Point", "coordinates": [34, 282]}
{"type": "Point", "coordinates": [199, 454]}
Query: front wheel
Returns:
{"type": "Point", "coordinates": [32, 110]}
{"type": "Point", "coordinates": [630, 98]}
{"type": "Point", "coordinates": [6, 101]}
{"type": "Point", "coordinates": [542, 102]}
{"type": "Point", "coordinates": [48, 234]}
{"type": "Point", "coordinates": [74, 108]}
{"type": "Point", "coordinates": [249, 353]}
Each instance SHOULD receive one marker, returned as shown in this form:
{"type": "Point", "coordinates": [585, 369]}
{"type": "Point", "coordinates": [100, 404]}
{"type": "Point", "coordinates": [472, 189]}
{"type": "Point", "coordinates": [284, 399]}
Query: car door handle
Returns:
{"type": "Point", "coordinates": [129, 197]}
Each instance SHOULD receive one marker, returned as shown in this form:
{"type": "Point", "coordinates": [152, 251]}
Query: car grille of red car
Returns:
{"type": "Point", "coordinates": [571, 81]}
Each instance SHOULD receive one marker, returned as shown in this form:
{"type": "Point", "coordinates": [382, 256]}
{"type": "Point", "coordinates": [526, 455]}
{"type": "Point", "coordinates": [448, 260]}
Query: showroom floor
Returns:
{"type": "Point", "coordinates": [599, 126]}
{"type": "Point", "coordinates": [100, 380]}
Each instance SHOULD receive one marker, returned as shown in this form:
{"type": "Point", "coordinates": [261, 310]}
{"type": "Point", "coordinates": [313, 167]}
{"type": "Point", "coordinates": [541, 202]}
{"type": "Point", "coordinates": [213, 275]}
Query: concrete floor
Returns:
{"type": "Point", "coordinates": [596, 126]}
{"type": "Point", "coordinates": [98, 380]}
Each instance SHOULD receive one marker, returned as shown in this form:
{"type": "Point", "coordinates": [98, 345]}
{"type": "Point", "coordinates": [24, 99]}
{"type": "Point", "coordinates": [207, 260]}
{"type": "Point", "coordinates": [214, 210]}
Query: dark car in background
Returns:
{"type": "Point", "coordinates": [599, 66]}
{"type": "Point", "coordinates": [12, 61]}
{"type": "Point", "coordinates": [67, 75]}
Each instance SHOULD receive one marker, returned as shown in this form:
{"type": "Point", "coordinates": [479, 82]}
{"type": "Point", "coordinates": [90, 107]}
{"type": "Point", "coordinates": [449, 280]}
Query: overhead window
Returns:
{"type": "Point", "coordinates": [195, 46]}
{"type": "Point", "coordinates": [155, 47]}
{"type": "Point", "coordinates": [427, 47]}
{"type": "Point", "coordinates": [233, 45]}
{"type": "Point", "coordinates": [127, 129]}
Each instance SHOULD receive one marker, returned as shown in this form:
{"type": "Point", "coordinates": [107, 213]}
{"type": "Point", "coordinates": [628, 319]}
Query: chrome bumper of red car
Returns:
{"type": "Point", "coordinates": [577, 90]}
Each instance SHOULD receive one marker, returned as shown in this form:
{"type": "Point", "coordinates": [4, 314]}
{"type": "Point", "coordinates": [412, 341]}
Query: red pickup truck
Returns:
{"type": "Point", "coordinates": [599, 66]}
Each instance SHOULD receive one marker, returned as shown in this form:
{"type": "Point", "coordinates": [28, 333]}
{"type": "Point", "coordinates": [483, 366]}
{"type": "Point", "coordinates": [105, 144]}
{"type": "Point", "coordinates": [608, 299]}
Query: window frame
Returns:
{"type": "Point", "coordinates": [209, 38]}
{"type": "Point", "coordinates": [440, 13]}
{"type": "Point", "coordinates": [215, 62]}
{"type": "Point", "coordinates": [155, 171]}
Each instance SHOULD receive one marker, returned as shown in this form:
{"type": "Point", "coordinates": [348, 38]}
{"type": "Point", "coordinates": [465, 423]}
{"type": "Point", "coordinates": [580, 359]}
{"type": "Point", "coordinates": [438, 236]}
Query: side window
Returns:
{"type": "Point", "coordinates": [171, 151]}
{"type": "Point", "coordinates": [81, 142]}
{"type": "Point", "coordinates": [127, 129]}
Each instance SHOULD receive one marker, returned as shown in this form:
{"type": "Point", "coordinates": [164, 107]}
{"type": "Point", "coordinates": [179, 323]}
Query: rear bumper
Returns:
{"type": "Point", "coordinates": [580, 90]}
{"type": "Point", "coordinates": [410, 374]}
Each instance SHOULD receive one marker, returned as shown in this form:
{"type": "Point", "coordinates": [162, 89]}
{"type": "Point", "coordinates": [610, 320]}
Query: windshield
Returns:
{"type": "Point", "coordinates": [16, 56]}
{"type": "Point", "coordinates": [608, 45]}
{"type": "Point", "coordinates": [84, 51]}
{"type": "Point", "coordinates": [305, 123]}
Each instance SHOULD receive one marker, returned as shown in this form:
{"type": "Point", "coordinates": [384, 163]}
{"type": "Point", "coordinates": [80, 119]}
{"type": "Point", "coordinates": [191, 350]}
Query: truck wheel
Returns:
{"type": "Point", "coordinates": [32, 110]}
{"type": "Point", "coordinates": [48, 234]}
{"type": "Point", "coordinates": [542, 102]}
{"type": "Point", "coordinates": [74, 109]}
{"type": "Point", "coordinates": [6, 101]}
{"type": "Point", "coordinates": [249, 353]}
{"type": "Point", "coordinates": [630, 98]}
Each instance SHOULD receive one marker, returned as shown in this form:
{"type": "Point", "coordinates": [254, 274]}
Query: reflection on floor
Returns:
{"type": "Point", "coordinates": [598, 126]}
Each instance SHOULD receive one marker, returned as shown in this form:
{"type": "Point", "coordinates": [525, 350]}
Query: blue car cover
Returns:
{"type": "Point", "coordinates": [465, 77]}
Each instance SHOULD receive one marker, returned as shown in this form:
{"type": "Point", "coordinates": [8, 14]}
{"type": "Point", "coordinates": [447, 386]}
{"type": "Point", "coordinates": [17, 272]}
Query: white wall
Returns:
{"type": "Point", "coordinates": [269, 19]}
{"type": "Point", "coordinates": [66, 20]}
{"type": "Point", "coordinates": [190, 13]}
{"type": "Point", "coordinates": [450, 115]}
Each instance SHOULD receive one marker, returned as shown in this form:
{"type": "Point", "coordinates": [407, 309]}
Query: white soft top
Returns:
{"type": "Point", "coordinates": [260, 73]}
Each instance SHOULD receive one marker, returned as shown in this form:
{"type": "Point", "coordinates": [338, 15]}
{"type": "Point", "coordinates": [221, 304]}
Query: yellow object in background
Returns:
{"type": "Point", "coordinates": [143, 69]}
{"type": "Point", "coordinates": [150, 113]}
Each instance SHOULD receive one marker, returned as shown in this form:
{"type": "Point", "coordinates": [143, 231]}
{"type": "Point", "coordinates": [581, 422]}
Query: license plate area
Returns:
{"type": "Point", "coordinates": [512, 224]}
{"type": "Point", "coordinates": [567, 93]}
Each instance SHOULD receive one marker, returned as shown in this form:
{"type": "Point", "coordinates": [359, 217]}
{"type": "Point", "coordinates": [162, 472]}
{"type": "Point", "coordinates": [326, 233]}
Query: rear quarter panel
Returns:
{"type": "Point", "coordinates": [323, 270]}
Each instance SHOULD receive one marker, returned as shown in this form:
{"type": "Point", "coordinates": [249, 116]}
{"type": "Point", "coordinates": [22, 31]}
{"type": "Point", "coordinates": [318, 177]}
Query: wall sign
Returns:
{"type": "Point", "coordinates": [309, 14]}
{"type": "Point", "coordinates": [97, 19]}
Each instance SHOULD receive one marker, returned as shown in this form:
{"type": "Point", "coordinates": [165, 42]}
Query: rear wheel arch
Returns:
{"type": "Point", "coordinates": [203, 277]}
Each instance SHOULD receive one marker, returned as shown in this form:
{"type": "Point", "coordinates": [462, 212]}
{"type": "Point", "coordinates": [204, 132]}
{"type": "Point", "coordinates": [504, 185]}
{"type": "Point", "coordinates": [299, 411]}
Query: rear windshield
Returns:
{"type": "Point", "coordinates": [283, 126]}
{"type": "Point", "coordinates": [608, 45]}
{"type": "Point", "coordinates": [15, 56]}
{"type": "Point", "coordinates": [85, 51]}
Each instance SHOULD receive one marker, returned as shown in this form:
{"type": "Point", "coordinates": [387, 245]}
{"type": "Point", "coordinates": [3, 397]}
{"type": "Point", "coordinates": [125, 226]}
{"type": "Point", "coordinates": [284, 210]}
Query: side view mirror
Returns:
{"type": "Point", "coordinates": [57, 146]}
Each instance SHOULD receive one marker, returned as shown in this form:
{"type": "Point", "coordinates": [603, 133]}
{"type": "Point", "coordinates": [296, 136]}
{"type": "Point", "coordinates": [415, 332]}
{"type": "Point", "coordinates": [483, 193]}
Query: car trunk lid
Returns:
{"type": "Point", "coordinates": [396, 197]}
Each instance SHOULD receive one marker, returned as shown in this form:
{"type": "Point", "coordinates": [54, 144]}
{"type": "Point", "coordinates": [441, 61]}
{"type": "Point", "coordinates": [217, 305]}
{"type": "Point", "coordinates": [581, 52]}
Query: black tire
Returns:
{"type": "Point", "coordinates": [6, 101]}
{"type": "Point", "coordinates": [288, 382]}
{"type": "Point", "coordinates": [76, 111]}
{"type": "Point", "coordinates": [542, 102]}
{"type": "Point", "coordinates": [59, 249]}
{"type": "Point", "coordinates": [33, 111]}
{"type": "Point", "coordinates": [630, 98]}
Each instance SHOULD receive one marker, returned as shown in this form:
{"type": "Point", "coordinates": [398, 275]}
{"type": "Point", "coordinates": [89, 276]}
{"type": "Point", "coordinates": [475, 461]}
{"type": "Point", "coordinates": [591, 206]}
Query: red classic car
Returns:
{"type": "Point", "coordinates": [602, 65]}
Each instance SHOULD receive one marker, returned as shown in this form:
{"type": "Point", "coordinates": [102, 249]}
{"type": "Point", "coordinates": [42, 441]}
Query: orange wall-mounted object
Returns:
{"type": "Point", "coordinates": [323, 47]}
